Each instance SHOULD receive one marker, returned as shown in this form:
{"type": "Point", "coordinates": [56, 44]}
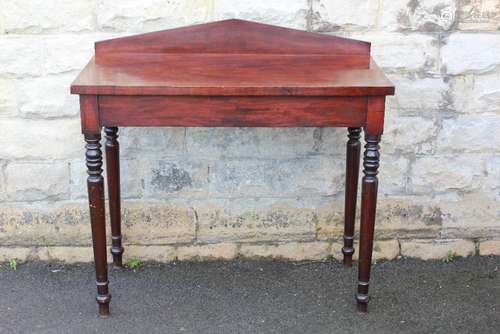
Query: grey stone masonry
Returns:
{"type": "Point", "coordinates": [203, 193]}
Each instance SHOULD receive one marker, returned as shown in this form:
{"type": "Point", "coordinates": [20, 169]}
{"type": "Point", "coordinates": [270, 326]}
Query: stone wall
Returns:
{"type": "Point", "coordinates": [223, 193]}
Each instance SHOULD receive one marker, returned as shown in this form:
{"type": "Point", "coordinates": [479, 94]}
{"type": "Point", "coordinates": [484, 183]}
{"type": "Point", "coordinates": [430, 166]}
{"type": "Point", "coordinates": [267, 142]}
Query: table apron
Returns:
{"type": "Point", "coordinates": [232, 111]}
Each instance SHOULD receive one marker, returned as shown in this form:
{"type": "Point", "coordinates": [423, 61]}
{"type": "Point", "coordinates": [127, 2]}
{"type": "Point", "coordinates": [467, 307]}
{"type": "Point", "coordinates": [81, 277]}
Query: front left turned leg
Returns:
{"type": "Point", "coordinates": [368, 209]}
{"type": "Point", "coordinates": [95, 184]}
{"type": "Point", "coordinates": [113, 175]}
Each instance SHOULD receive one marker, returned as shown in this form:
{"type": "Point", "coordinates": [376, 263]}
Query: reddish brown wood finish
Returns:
{"type": "Point", "coordinates": [232, 73]}
{"type": "Point", "coordinates": [95, 183]}
{"type": "Point", "coordinates": [232, 111]}
{"type": "Point", "coordinates": [113, 175]}
{"type": "Point", "coordinates": [351, 192]}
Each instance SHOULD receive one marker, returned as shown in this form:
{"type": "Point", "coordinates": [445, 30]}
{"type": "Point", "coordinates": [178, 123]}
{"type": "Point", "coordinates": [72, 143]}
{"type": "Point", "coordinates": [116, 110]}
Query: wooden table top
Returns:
{"type": "Point", "coordinates": [232, 58]}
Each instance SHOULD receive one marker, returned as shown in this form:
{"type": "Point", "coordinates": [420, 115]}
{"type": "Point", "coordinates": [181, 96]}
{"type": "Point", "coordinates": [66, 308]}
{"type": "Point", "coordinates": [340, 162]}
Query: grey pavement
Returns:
{"type": "Point", "coordinates": [408, 296]}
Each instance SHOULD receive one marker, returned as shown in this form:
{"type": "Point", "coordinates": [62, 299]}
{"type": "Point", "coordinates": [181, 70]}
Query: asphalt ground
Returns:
{"type": "Point", "coordinates": [408, 296]}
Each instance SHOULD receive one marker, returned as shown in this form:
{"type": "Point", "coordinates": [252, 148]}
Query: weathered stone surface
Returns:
{"type": "Point", "coordinates": [436, 249]}
{"type": "Point", "coordinates": [39, 224]}
{"type": "Point", "coordinates": [176, 177]}
{"type": "Point", "coordinates": [23, 181]}
{"type": "Point", "coordinates": [8, 98]}
{"type": "Point", "coordinates": [37, 16]}
{"type": "Point", "coordinates": [253, 220]}
{"type": "Point", "coordinates": [407, 135]}
{"type": "Point", "coordinates": [69, 52]}
{"type": "Point", "coordinates": [156, 253]}
{"type": "Point", "coordinates": [153, 224]}
{"type": "Point", "coordinates": [477, 133]}
{"type": "Point", "coordinates": [422, 15]}
{"type": "Point", "coordinates": [15, 253]}
{"type": "Point", "coordinates": [215, 143]}
{"type": "Point", "coordinates": [393, 175]}
{"type": "Point", "coordinates": [415, 94]}
{"type": "Point", "coordinates": [476, 93]}
{"type": "Point", "coordinates": [489, 247]}
{"type": "Point", "coordinates": [282, 12]}
{"type": "Point", "coordinates": [492, 172]}
{"type": "Point", "coordinates": [46, 97]}
{"type": "Point", "coordinates": [315, 175]}
{"type": "Point", "coordinates": [333, 15]}
{"type": "Point", "coordinates": [470, 53]}
{"type": "Point", "coordinates": [396, 51]}
{"type": "Point", "coordinates": [197, 194]}
{"type": "Point", "coordinates": [445, 173]}
{"type": "Point", "coordinates": [470, 216]}
{"type": "Point", "coordinates": [296, 251]}
{"type": "Point", "coordinates": [160, 143]}
{"type": "Point", "coordinates": [20, 56]}
{"type": "Point", "coordinates": [143, 223]}
{"type": "Point", "coordinates": [150, 15]}
{"type": "Point", "coordinates": [222, 251]}
{"type": "Point", "coordinates": [28, 139]}
{"type": "Point", "coordinates": [397, 216]}
{"type": "Point", "coordinates": [479, 15]}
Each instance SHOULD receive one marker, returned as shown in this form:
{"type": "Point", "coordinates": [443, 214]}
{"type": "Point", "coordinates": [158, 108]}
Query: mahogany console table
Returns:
{"type": "Point", "coordinates": [231, 73]}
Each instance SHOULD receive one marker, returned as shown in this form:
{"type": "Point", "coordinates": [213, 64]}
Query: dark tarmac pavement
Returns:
{"type": "Point", "coordinates": [408, 296]}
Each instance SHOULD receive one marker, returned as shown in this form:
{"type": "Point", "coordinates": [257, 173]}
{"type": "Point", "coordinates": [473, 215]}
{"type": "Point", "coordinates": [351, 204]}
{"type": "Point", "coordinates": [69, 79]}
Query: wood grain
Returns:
{"type": "Point", "coordinates": [231, 111]}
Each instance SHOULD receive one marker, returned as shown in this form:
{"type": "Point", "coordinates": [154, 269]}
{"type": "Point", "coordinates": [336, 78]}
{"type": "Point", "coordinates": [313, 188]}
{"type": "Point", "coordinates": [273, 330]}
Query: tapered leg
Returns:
{"type": "Point", "coordinates": [368, 208]}
{"type": "Point", "coordinates": [95, 183]}
{"type": "Point", "coordinates": [113, 175]}
{"type": "Point", "coordinates": [351, 192]}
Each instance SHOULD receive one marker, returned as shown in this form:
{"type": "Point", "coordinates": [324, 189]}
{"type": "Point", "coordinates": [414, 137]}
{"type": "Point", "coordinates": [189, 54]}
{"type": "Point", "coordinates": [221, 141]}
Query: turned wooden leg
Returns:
{"type": "Point", "coordinates": [113, 176]}
{"type": "Point", "coordinates": [368, 208]}
{"type": "Point", "coordinates": [351, 192]}
{"type": "Point", "coordinates": [95, 183]}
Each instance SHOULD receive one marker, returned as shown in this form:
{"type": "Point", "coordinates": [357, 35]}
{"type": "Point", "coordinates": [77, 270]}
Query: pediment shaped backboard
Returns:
{"type": "Point", "coordinates": [232, 37]}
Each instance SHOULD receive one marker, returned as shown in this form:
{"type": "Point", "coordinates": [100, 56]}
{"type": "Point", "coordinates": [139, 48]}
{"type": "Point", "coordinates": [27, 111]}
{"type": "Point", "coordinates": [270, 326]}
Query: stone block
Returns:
{"type": "Point", "coordinates": [315, 175]}
{"type": "Point", "coordinates": [35, 181]}
{"type": "Point", "coordinates": [489, 247]}
{"type": "Point", "coordinates": [473, 215]}
{"type": "Point", "coordinates": [207, 252]}
{"type": "Point", "coordinates": [407, 135]}
{"type": "Point", "coordinates": [37, 139]}
{"type": "Point", "coordinates": [416, 96]}
{"type": "Point", "coordinates": [479, 15]}
{"type": "Point", "coordinates": [284, 13]}
{"type": "Point", "coordinates": [20, 56]}
{"type": "Point", "coordinates": [422, 15]}
{"type": "Point", "coordinates": [446, 173]}
{"type": "Point", "coordinates": [46, 97]}
{"type": "Point", "coordinates": [295, 251]}
{"type": "Point", "coordinates": [464, 53]}
{"type": "Point", "coordinates": [333, 15]}
{"type": "Point", "coordinates": [436, 249]}
{"type": "Point", "coordinates": [39, 16]}
{"type": "Point", "coordinates": [474, 133]}
{"type": "Point", "coordinates": [147, 223]}
{"type": "Point", "coordinates": [216, 143]}
{"type": "Point", "coordinates": [151, 15]}
{"type": "Point", "coordinates": [176, 178]}
{"type": "Point", "coordinates": [152, 143]}
{"type": "Point", "coordinates": [476, 94]}
{"type": "Point", "coordinates": [408, 216]}
{"type": "Point", "coordinates": [254, 220]}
